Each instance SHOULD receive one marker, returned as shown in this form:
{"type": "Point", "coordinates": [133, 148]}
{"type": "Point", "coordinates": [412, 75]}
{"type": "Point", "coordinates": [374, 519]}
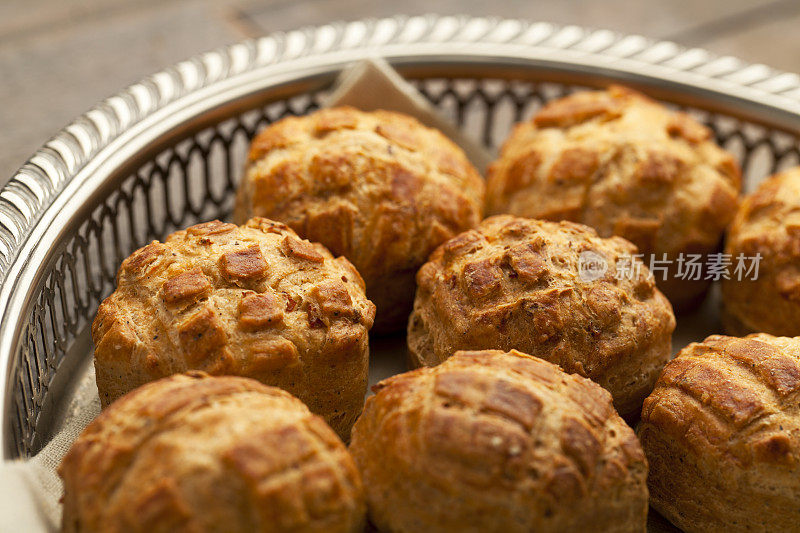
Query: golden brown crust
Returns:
{"type": "Point", "coordinates": [767, 224]}
{"type": "Point", "coordinates": [515, 283]}
{"type": "Point", "coordinates": [625, 165]}
{"type": "Point", "coordinates": [194, 453]}
{"type": "Point", "coordinates": [722, 435]}
{"type": "Point", "coordinates": [378, 188]}
{"type": "Point", "coordinates": [493, 441]}
{"type": "Point", "coordinates": [253, 301]}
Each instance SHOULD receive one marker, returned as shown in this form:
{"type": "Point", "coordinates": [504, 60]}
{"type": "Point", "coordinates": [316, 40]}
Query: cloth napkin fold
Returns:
{"type": "Point", "coordinates": [30, 490]}
{"type": "Point", "coordinates": [373, 84]}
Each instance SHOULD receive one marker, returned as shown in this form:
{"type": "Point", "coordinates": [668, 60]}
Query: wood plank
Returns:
{"type": "Point", "coordinates": [50, 78]}
{"type": "Point", "coordinates": [775, 43]}
{"type": "Point", "coordinates": [653, 18]}
{"type": "Point", "coordinates": [20, 18]}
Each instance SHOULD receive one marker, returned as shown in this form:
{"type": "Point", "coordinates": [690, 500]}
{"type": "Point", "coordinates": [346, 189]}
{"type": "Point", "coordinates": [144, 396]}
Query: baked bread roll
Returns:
{"type": "Point", "coordinates": [253, 301]}
{"type": "Point", "coordinates": [516, 283]}
{"type": "Point", "coordinates": [199, 453]}
{"type": "Point", "coordinates": [767, 225]}
{"type": "Point", "coordinates": [492, 441]}
{"type": "Point", "coordinates": [721, 432]}
{"type": "Point", "coordinates": [625, 165]}
{"type": "Point", "coordinates": [378, 188]}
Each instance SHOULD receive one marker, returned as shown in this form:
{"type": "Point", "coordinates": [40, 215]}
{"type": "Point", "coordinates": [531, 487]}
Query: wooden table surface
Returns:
{"type": "Point", "coordinates": [59, 57]}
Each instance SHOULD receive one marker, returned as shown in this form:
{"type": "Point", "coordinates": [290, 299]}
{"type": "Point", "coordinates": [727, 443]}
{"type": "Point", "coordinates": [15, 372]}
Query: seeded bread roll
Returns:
{"type": "Point", "coordinates": [254, 301]}
{"type": "Point", "coordinates": [767, 227]}
{"type": "Point", "coordinates": [625, 165]}
{"type": "Point", "coordinates": [721, 432]}
{"type": "Point", "coordinates": [491, 441]}
{"type": "Point", "coordinates": [378, 188]}
{"type": "Point", "coordinates": [199, 453]}
{"type": "Point", "coordinates": [516, 283]}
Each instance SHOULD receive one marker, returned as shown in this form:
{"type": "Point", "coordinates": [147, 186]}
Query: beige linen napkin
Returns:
{"type": "Point", "coordinates": [30, 490]}
{"type": "Point", "coordinates": [373, 84]}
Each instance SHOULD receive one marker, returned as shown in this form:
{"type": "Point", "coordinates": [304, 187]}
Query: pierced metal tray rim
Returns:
{"type": "Point", "coordinates": [47, 191]}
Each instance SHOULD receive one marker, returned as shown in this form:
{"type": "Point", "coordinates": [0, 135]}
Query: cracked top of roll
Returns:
{"type": "Point", "coordinates": [554, 290]}
{"type": "Point", "coordinates": [721, 432]}
{"type": "Point", "coordinates": [766, 229]}
{"type": "Point", "coordinates": [493, 441]}
{"type": "Point", "coordinates": [198, 453]}
{"type": "Point", "coordinates": [625, 165]}
{"type": "Point", "coordinates": [252, 300]}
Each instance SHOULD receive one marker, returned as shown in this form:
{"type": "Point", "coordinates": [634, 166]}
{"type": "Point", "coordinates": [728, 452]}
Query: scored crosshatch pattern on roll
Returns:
{"type": "Point", "coordinates": [552, 290]}
{"type": "Point", "coordinates": [720, 434]}
{"type": "Point", "coordinates": [192, 452]}
{"type": "Point", "coordinates": [498, 441]}
{"type": "Point", "coordinates": [624, 165]}
{"type": "Point", "coordinates": [80, 268]}
{"type": "Point", "coordinates": [252, 300]}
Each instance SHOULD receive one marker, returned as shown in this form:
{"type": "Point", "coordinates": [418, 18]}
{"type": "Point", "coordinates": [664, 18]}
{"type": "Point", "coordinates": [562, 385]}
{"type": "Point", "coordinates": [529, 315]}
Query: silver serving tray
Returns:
{"type": "Point", "coordinates": [167, 152]}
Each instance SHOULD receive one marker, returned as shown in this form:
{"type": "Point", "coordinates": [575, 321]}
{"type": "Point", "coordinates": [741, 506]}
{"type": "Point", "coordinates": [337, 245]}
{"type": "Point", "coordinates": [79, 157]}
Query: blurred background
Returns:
{"type": "Point", "coordinates": [59, 57]}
